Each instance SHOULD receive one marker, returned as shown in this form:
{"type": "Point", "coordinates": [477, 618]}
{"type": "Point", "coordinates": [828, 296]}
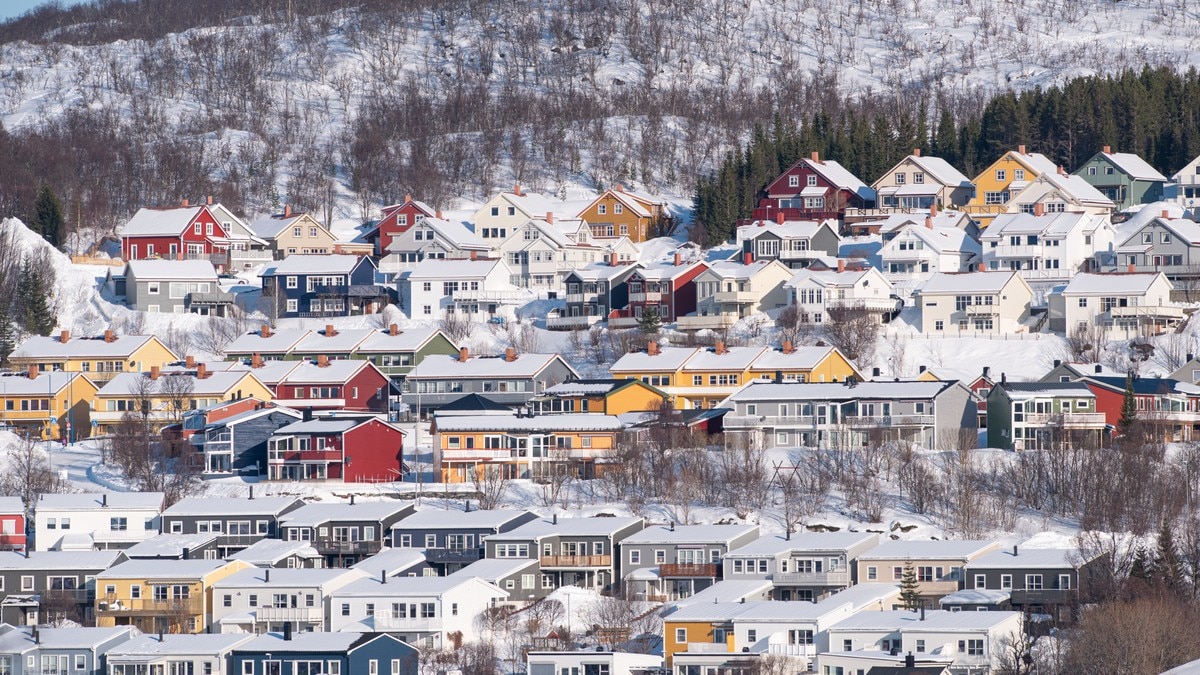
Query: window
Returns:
{"type": "Point", "coordinates": [680, 635]}
{"type": "Point", "coordinates": [793, 181]}
{"type": "Point", "coordinates": [812, 181]}
{"type": "Point", "coordinates": [291, 282]}
{"type": "Point", "coordinates": [119, 524]}
{"type": "Point", "coordinates": [1018, 174]}
{"type": "Point", "coordinates": [980, 581]}
{"type": "Point", "coordinates": [1064, 582]}
{"type": "Point", "coordinates": [1001, 175]}
{"type": "Point", "coordinates": [26, 583]}
{"type": "Point", "coordinates": [660, 557]}
{"type": "Point", "coordinates": [602, 209]}
{"type": "Point", "coordinates": [247, 668]}
{"type": "Point", "coordinates": [901, 178]}
{"type": "Point", "coordinates": [1006, 581]}
{"type": "Point", "coordinates": [872, 573]}
{"type": "Point", "coordinates": [1033, 582]}
{"type": "Point", "coordinates": [995, 197]}
{"type": "Point", "coordinates": [635, 557]}
{"type": "Point", "coordinates": [974, 647]}
{"type": "Point", "coordinates": [153, 288]}
{"type": "Point", "coordinates": [752, 636]}
{"type": "Point", "coordinates": [293, 305]}
{"type": "Point", "coordinates": [800, 637]}
{"type": "Point", "coordinates": [897, 572]}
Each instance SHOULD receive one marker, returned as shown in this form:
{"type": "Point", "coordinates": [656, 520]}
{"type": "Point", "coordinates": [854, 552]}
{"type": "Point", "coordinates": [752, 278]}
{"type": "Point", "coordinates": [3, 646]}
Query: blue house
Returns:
{"type": "Point", "coordinates": [322, 286]}
{"type": "Point", "coordinates": [308, 653]}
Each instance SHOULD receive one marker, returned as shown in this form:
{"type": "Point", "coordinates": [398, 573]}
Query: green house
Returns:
{"type": "Point", "coordinates": [1123, 177]}
{"type": "Point", "coordinates": [1042, 415]}
{"type": "Point", "coordinates": [392, 350]}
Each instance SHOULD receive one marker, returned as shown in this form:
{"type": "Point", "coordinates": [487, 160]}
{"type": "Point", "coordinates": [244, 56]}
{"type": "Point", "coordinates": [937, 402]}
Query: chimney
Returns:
{"type": "Point", "coordinates": [407, 198]}
{"type": "Point", "coordinates": [620, 188]}
{"type": "Point", "coordinates": [64, 337]}
{"type": "Point", "coordinates": [841, 265]}
{"type": "Point", "coordinates": [265, 331]}
{"type": "Point", "coordinates": [1039, 209]}
{"type": "Point", "coordinates": [922, 612]}
{"type": "Point", "coordinates": [747, 258]}
{"type": "Point", "coordinates": [1108, 149]}
{"type": "Point", "coordinates": [517, 190]}
{"type": "Point", "coordinates": [267, 575]}
{"type": "Point", "coordinates": [251, 492]}
{"type": "Point", "coordinates": [1166, 214]}
{"type": "Point", "coordinates": [202, 372]}
{"type": "Point", "coordinates": [933, 209]}
{"type": "Point", "coordinates": [981, 267]}
{"type": "Point", "coordinates": [467, 506]}
{"type": "Point", "coordinates": [1014, 550]}
{"type": "Point", "coordinates": [463, 355]}
{"type": "Point", "coordinates": [920, 369]}
{"type": "Point", "coordinates": [1057, 362]}
{"type": "Point", "coordinates": [104, 499]}
{"type": "Point", "coordinates": [322, 361]}
{"type": "Point", "coordinates": [1099, 368]}
{"type": "Point", "coordinates": [916, 152]}
{"type": "Point", "coordinates": [110, 336]}
{"type": "Point", "coordinates": [189, 361]}
{"type": "Point", "coordinates": [393, 330]}
{"type": "Point", "coordinates": [555, 521]}
{"type": "Point", "coordinates": [1131, 268]}
{"type": "Point", "coordinates": [612, 259]}
{"type": "Point", "coordinates": [651, 348]}
{"type": "Point", "coordinates": [1061, 170]}
{"type": "Point", "coordinates": [33, 372]}
{"type": "Point", "coordinates": [1190, 357]}
{"type": "Point", "coordinates": [929, 222]}
{"type": "Point", "coordinates": [474, 255]}
{"type": "Point", "coordinates": [185, 554]}
{"type": "Point", "coordinates": [875, 372]}
{"type": "Point", "coordinates": [256, 361]}
{"type": "Point", "coordinates": [330, 331]}
{"type": "Point", "coordinates": [208, 200]}
{"type": "Point", "coordinates": [160, 633]}
{"type": "Point", "coordinates": [779, 217]}
{"type": "Point", "coordinates": [788, 347]}
{"type": "Point", "coordinates": [184, 202]}
{"type": "Point", "coordinates": [815, 157]}
{"type": "Point", "coordinates": [549, 216]}
{"type": "Point", "coordinates": [287, 211]}
{"type": "Point", "coordinates": [986, 370]}
{"type": "Point", "coordinates": [351, 500]}
{"type": "Point", "coordinates": [1021, 149]}
{"type": "Point", "coordinates": [154, 372]}
{"type": "Point", "coordinates": [672, 526]}
{"type": "Point", "coordinates": [1003, 378]}
{"type": "Point", "coordinates": [510, 354]}
{"type": "Point", "coordinates": [678, 259]}
{"type": "Point", "coordinates": [287, 630]}
{"type": "Point", "coordinates": [910, 661]}
{"type": "Point", "coordinates": [438, 214]}
{"type": "Point", "coordinates": [383, 576]}
{"type": "Point", "coordinates": [719, 347]}
{"type": "Point", "coordinates": [33, 633]}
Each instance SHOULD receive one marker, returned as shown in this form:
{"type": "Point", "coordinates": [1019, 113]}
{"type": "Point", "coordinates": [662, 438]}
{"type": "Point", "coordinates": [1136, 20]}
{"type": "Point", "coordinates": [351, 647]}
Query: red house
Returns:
{"type": "Point", "coordinates": [814, 189]}
{"type": "Point", "coordinates": [12, 524]}
{"type": "Point", "coordinates": [669, 287]}
{"type": "Point", "coordinates": [176, 233]}
{"type": "Point", "coordinates": [325, 384]}
{"type": "Point", "coordinates": [397, 219]}
{"type": "Point", "coordinates": [354, 450]}
{"type": "Point", "coordinates": [1167, 405]}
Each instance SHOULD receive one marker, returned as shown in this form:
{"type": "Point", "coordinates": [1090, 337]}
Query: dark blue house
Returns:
{"type": "Point", "coordinates": [311, 653]}
{"type": "Point", "coordinates": [322, 286]}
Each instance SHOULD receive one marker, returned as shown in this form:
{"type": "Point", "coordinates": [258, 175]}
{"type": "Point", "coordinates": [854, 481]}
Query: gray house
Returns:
{"type": "Point", "coordinates": [796, 243]}
{"type": "Point", "coordinates": [175, 547]}
{"type": "Point", "coordinates": [174, 287]}
{"type": "Point", "coordinates": [572, 551]}
{"type": "Point", "coordinates": [1049, 581]}
{"type": "Point", "coordinates": [46, 585]}
{"type": "Point", "coordinates": [61, 651]}
{"type": "Point", "coordinates": [675, 561]}
{"type": "Point", "coordinates": [1123, 177]}
{"type": "Point", "coordinates": [1162, 244]}
{"type": "Point", "coordinates": [280, 553]}
{"type": "Point", "coordinates": [803, 566]}
{"type": "Point", "coordinates": [511, 379]}
{"type": "Point", "coordinates": [344, 533]}
{"type": "Point", "coordinates": [237, 521]}
{"type": "Point", "coordinates": [519, 577]}
{"type": "Point", "coordinates": [453, 539]}
{"type": "Point", "coordinates": [238, 443]}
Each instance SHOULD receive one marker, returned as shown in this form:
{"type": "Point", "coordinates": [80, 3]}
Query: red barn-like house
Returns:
{"type": "Point", "coordinates": [328, 384]}
{"type": "Point", "coordinates": [669, 287]}
{"type": "Point", "coordinates": [1167, 406]}
{"type": "Point", "coordinates": [175, 233]}
{"type": "Point", "coordinates": [12, 524]}
{"type": "Point", "coordinates": [814, 189]}
{"type": "Point", "coordinates": [397, 219]}
{"type": "Point", "coordinates": [354, 450]}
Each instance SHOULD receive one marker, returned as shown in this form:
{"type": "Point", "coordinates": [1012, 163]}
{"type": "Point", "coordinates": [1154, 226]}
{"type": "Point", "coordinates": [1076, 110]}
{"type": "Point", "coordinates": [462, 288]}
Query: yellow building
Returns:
{"type": "Point", "coordinates": [168, 395]}
{"type": "Point", "coordinates": [101, 357]}
{"type": "Point", "coordinates": [698, 377]}
{"type": "Point", "coordinates": [1001, 181]}
{"type": "Point", "coordinates": [619, 213]}
{"type": "Point", "coordinates": [606, 397]}
{"type": "Point", "coordinates": [711, 632]}
{"type": "Point", "coordinates": [52, 405]}
{"type": "Point", "coordinates": [169, 596]}
{"type": "Point", "coordinates": [523, 446]}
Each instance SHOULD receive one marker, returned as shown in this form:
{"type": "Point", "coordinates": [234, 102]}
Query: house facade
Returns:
{"type": "Point", "coordinates": [454, 539]}
{"type": "Point", "coordinates": [1041, 415]}
{"type": "Point", "coordinates": [355, 450]}
{"type": "Point", "coordinates": [345, 533]}
{"type": "Point", "coordinates": [1045, 245]}
{"type": "Point", "coordinates": [618, 212]}
{"type": "Point", "coordinates": [432, 239]}
{"type": "Point", "coordinates": [12, 524]}
{"type": "Point", "coordinates": [795, 243]}
{"type": "Point", "coordinates": [1049, 581]}
{"type": "Point", "coordinates": [814, 189]}
{"type": "Point", "coordinates": [322, 285]}
{"type": "Point", "coordinates": [184, 232]}
{"type": "Point", "coordinates": [1128, 305]}
{"type": "Point", "coordinates": [238, 522]}
{"type": "Point", "coordinates": [238, 444]}
{"type": "Point", "coordinates": [291, 654]}
{"type": "Point", "coordinates": [478, 289]}
{"type": "Point", "coordinates": [592, 293]}
{"type": "Point", "coordinates": [262, 600]}
{"type": "Point", "coordinates": [918, 182]}
{"type": "Point", "coordinates": [729, 291]}
{"type": "Point", "coordinates": [982, 302]}
{"type": "Point", "coordinates": [572, 551]}
{"type": "Point", "coordinates": [804, 566]}
{"type": "Point", "coordinates": [175, 287]}
{"type": "Point", "coordinates": [817, 293]}
{"type": "Point", "coordinates": [1005, 177]}
{"type": "Point", "coordinates": [665, 288]}
{"type": "Point", "coordinates": [423, 611]}
{"type": "Point", "coordinates": [100, 357]}
{"type": "Point", "coordinates": [169, 596]}
{"type": "Point", "coordinates": [51, 405]}
{"type": "Point", "coordinates": [51, 585]}
{"type": "Point", "coordinates": [665, 562]}
{"type": "Point", "coordinates": [510, 379]}
{"type": "Point", "coordinates": [938, 565]}
{"type": "Point", "coordinates": [351, 385]}
{"type": "Point", "coordinates": [1163, 244]}
{"type": "Point", "coordinates": [1060, 192]}
{"type": "Point", "coordinates": [294, 234]}
{"type": "Point", "coordinates": [1123, 177]}
{"type": "Point", "coordinates": [83, 521]}
{"type": "Point", "coordinates": [398, 219]}
{"type": "Point", "coordinates": [165, 397]}
{"type": "Point", "coordinates": [918, 251]}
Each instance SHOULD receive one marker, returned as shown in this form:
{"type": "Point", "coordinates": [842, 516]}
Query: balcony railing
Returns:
{"type": "Point", "coordinates": [838, 578]}
{"type": "Point", "coordinates": [805, 254]}
{"type": "Point", "coordinates": [306, 455]}
{"type": "Point", "coordinates": [708, 648]}
{"type": "Point", "coordinates": [238, 539]}
{"type": "Point", "coordinates": [889, 421]}
{"type": "Point", "coordinates": [806, 422]}
{"type": "Point", "coordinates": [468, 454]}
{"type": "Point", "coordinates": [576, 561]}
{"type": "Point", "coordinates": [647, 296]}
{"type": "Point", "coordinates": [983, 310]}
{"type": "Point", "coordinates": [385, 621]}
{"type": "Point", "coordinates": [502, 297]}
{"type": "Point", "coordinates": [290, 614]}
{"type": "Point", "coordinates": [702, 322]}
{"type": "Point", "coordinates": [1065, 419]}
{"type": "Point", "coordinates": [701, 570]}
{"type": "Point", "coordinates": [336, 546]}
{"type": "Point", "coordinates": [453, 555]}
{"type": "Point", "coordinates": [792, 650]}
{"type": "Point", "coordinates": [738, 297]}
{"type": "Point", "coordinates": [113, 605]}
{"type": "Point", "coordinates": [569, 322]}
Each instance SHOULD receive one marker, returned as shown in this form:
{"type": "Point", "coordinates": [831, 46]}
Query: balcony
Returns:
{"type": "Point", "coordinates": [238, 540]}
{"type": "Point", "coordinates": [792, 650]}
{"type": "Point", "coordinates": [111, 605]}
{"type": "Point", "coordinates": [476, 454]}
{"type": "Point", "coordinates": [345, 547]}
{"type": "Point", "coordinates": [708, 648]}
{"type": "Point", "coordinates": [1046, 596]}
{"type": "Point", "coordinates": [647, 296]}
{"type": "Point", "coordinates": [708, 321]}
{"type": "Point", "coordinates": [576, 561]}
{"type": "Point", "coordinates": [888, 304]}
{"type": "Point", "coordinates": [837, 578]}
{"type": "Point", "coordinates": [386, 622]}
{"type": "Point", "coordinates": [982, 310]}
{"type": "Point", "coordinates": [698, 570]}
{"type": "Point", "coordinates": [306, 455]}
{"type": "Point", "coordinates": [453, 555]}
{"type": "Point", "coordinates": [1027, 251]}
{"type": "Point", "coordinates": [499, 297]}
{"type": "Point", "coordinates": [1067, 420]}
{"type": "Point", "coordinates": [290, 614]}
{"type": "Point", "coordinates": [890, 421]}
{"type": "Point", "coordinates": [1167, 312]}
{"type": "Point", "coordinates": [622, 322]}
{"type": "Point", "coordinates": [805, 254]}
{"type": "Point", "coordinates": [572, 322]}
{"type": "Point", "coordinates": [772, 421]}
{"type": "Point", "coordinates": [738, 297]}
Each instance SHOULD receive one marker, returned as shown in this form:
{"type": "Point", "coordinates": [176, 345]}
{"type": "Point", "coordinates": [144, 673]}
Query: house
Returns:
{"type": "Point", "coordinates": [523, 446]}
{"type": "Point", "coordinates": [47, 405]}
{"type": "Point", "coordinates": [1059, 192]}
{"type": "Point", "coordinates": [424, 611]}
{"type": "Point", "coordinates": [507, 211]}
{"type": "Point", "coordinates": [280, 553]}
{"type": "Point", "coordinates": [432, 239]}
{"type": "Point", "coordinates": [1189, 372]}
{"type": "Point", "coordinates": [803, 566]}
{"type": "Point", "coordinates": [322, 286]}
{"type": "Point", "coordinates": [398, 219]}
{"type": "Point", "coordinates": [260, 600]}
{"type": "Point", "coordinates": [1046, 246]}
{"type": "Point", "coordinates": [266, 343]}
{"type": "Point", "coordinates": [246, 249]}
{"type": "Point", "coordinates": [983, 302]}
{"type": "Point", "coordinates": [698, 377]}
{"type": "Point", "coordinates": [454, 539]}
{"type": "Point", "coordinates": [479, 289]}
{"type": "Point", "coordinates": [618, 212]}
{"type": "Point", "coordinates": [849, 414]}
{"type": "Point", "coordinates": [12, 524]}
{"type": "Point", "coordinates": [729, 291]}
{"type": "Point", "coordinates": [290, 234]}
{"type": "Point", "coordinates": [667, 288]}
{"type": "Point", "coordinates": [819, 294]}
{"type": "Point", "coordinates": [665, 562]}
{"type": "Point", "coordinates": [173, 653]}
{"type": "Point", "coordinates": [74, 650]}
{"type": "Point", "coordinates": [352, 450]}
{"type": "Point", "coordinates": [1067, 371]}
{"type": "Point", "coordinates": [397, 562]}
{"type": "Point", "coordinates": [51, 585]}
{"type": "Point", "coordinates": [543, 250]}
{"type": "Point", "coordinates": [1162, 244]}
{"type": "Point", "coordinates": [164, 398]}
{"type": "Point", "coordinates": [392, 350]}
{"type": "Point", "coordinates": [917, 251]}
{"type": "Point", "coordinates": [172, 596]}
{"type": "Point", "coordinates": [238, 443]}
{"type": "Point", "coordinates": [1123, 177]}
{"type": "Point", "coordinates": [937, 564]}
{"type": "Point", "coordinates": [887, 227]}
{"type": "Point", "coordinates": [175, 547]}
{"type": "Point", "coordinates": [511, 379]}
{"type": "Point", "coordinates": [82, 521]}
{"type": "Point", "coordinates": [726, 590]}
{"type": "Point", "coordinates": [1184, 187]}
{"type": "Point", "coordinates": [193, 421]}
{"type": "Point", "coordinates": [182, 232]}
{"type": "Point", "coordinates": [1041, 415]}
{"type": "Point", "coordinates": [795, 243]}
{"type": "Point", "coordinates": [607, 397]}
{"type": "Point", "coordinates": [592, 293]}
{"type": "Point", "coordinates": [517, 577]}
{"type": "Point", "coordinates": [814, 189]}
{"type": "Point", "coordinates": [346, 653]}
{"type": "Point", "coordinates": [592, 663]}
{"type": "Point", "coordinates": [99, 357]}
{"type": "Point", "coordinates": [1008, 175]}
{"type": "Point", "coordinates": [345, 533]}
{"type": "Point", "coordinates": [1163, 406]}
{"type": "Point", "coordinates": [572, 551]}
{"type": "Point", "coordinates": [238, 522]}
{"type": "Point", "coordinates": [175, 287]}
{"type": "Point", "coordinates": [1129, 305]}
{"type": "Point", "coordinates": [322, 384]}
{"type": "Point", "coordinates": [1046, 581]}
{"type": "Point", "coordinates": [917, 182]}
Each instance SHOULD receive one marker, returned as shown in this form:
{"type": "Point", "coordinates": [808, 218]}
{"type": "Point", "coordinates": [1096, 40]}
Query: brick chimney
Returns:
{"type": "Point", "coordinates": [788, 347]}
{"type": "Point", "coordinates": [265, 331]}
{"type": "Point", "coordinates": [474, 255]}
{"type": "Point", "coordinates": [184, 202]}
{"type": "Point", "coordinates": [916, 152]}
{"type": "Point", "coordinates": [33, 372]}
{"type": "Point", "coordinates": [202, 372]}
{"type": "Point", "coordinates": [1166, 214]}
{"type": "Point", "coordinates": [110, 336]}
{"type": "Point", "coordinates": [815, 157]}
{"type": "Point", "coordinates": [1039, 209]}
{"type": "Point", "coordinates": [678, 258]}
{"type": "Point", "coordinates": [841, 265]}
{"type": "Point", "coordinates": [463, 354]}
{"type": "Point", "coordinates": [549, 216]}
{"type": "Point", "coordinates": [510, 354]}
{"type": "Point", "coordinates": [719, 347]}
{"type": "Point", "coordinates": [189, 361]}
{"type": "Point", "coordinates": [393, 330]}
{"type": "Point", "coordinates": [517, 190]}
{"type": "Point", "coordinates": [779, 217]}
{"type": "Point", "coordinates": [154, 372]}
{"type": "Point", "coordinates": [613, 260]}
{"type": "Point", "coordinates": [620, 188]}
{"type": "Point", "coordinates": [256, 360]}
{"type": "Point", "coordinates": [981, 267]}
{"type": "Point", "coordinates": [287, 211]}
{"type": "Point", "coordinates": [1108, 149]}
{"type": "Point", "coordinates": [322, 361]}
{"type": "Point", "coordinates": [1061, 170]}
{"type": "Point", "coordinates": [64, 337]}
{"type": "Point", "coordinates": [330, 331]}
{"type": "Point", "coordinates": [747, 258]}
{"type": "Point", "coordinates": [933, 209]}
{"type": "Point", "coordinates": [652, 348]}
{"type": "Point", "coordinates": [407, 199]}
{"type": "Point", "coordinates": [1021, 149]}
{"type": "Point", "coordinates": [1131, 268]}
{"type": "Point", "coordinates": [208, 200]}
{"type": "Point", "coordinates": [929, 222]}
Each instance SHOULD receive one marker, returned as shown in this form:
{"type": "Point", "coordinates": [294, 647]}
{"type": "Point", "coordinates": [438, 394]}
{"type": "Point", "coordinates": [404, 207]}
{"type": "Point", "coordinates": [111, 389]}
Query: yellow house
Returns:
{"type": "Point", "coordinates": [523, 446]}
{"type": "Point", "coordinates": [1007, 176]}
{"type": "Point", "coordinates": [606, 397]}
{"type": "Point", "coordinates": [165, 396]}
{"type": "Point", "coordinates": [52, 405]}
{"type": "Point", "coordinates": [714, 631]}
{"type": "Point", "coordinates": [169, 596]}
{"type": "Point", "coordinates": [101, 358]}
{"type": "Point", "coordinates": [619, 213]}
{"type": "Point", "coordinates": [698, 377]}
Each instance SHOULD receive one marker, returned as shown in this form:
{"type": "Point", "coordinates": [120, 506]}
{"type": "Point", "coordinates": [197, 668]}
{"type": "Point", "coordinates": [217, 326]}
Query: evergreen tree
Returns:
{"type": "Point", "coordinates": [650, 323]}
{"type": "Point", "coordinates": [910, 596]}
{"type": "Point", "coordinates": [37, 315]}
{"type": "Point", "coordinates": [1168, 568]}
{"type": "Point", "coordinates": [1128, 407]}
{"type": "Point", "coordinates": [48, 218]}
{"type": "Point", "coordinates": [8, 340]}
{"type": "Point", "coordinates": [1142, 568]}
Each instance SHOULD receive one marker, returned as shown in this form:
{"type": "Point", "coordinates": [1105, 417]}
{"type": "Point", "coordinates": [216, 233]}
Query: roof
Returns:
{"type": "Point", "coordinates": [944, 238]}
{"type": "Point", "coordinates": [216, 383]}
{"type": "Point", "coordinates": [409, 586]}
{"type": "Point", "coordinates": [436, 268]}
{"type": "Point", "coordinates": [162, 569]}
{"type": "Point", "coordinates": [859, 596]}
{"type": "Point", "coordinates": [594, 526]}
{"type": "Point", "coordinates": [170, 270]}
{"type": "Point", "coordinates": [602, 271]}
{"type": "Point", "coordinates": [587, 387]}
{"type": "Point", "coordinates": [228, 506]}
{"type": "Point", "coordinates": [1036, 161]}
{"type": "Point", "coordinates": [319, 426]}
{"type": "Point", "coordinates": [299, 264]}
{"type": "Point", "coordinates": [278, 342]}
{"type": "Point", "coordinates": [773, 544]}
{"type": "Point", "coordinates": [900, 549]}
{"type": "Point", "coordinates": [337, 642]}
{"type": "Point", "coordinates": [1028, 390]}
{"type": "Point", "coordinates": [726, 590]}
{"type": "Point", "coordinates": [1133, 165]}
{"type": "Point", "coordinates": [733, 269]}
{"type": "Point", "coordinates": [472, 403]}
{"type": "Point", "coordinates": [286, 576]}
{"type": "Point", "coordinates": [841, 177]}
{"type": "Point", "coordinates": [494, 569]}
{"type": "Point", "coordinates": [90, 501]}
{"type": "Point", "coordinates": [78, 637]}
{"type": "Point", "coordinates": [800, 357]}
{"type": "Point", "coordinates": [59, 560]}
{"type": "Point", "coordinates": [976, 596]}
{"type": "Point", "coordinates": [935, 620]}
{"type": "Point", "coordinates": [311, 515]}
{"type": "Point", "coordinates": [968, 282]}
{"type": "Point", "coordinates": [666, 270]}
{"type": "Point", "coordinates": [667, 358]}
{"type": "Point", "coordinates": [1086, 283]}
{"type": "Point", "coordinates": [339, 341]}
{"type": "Point", "coordinates": [1075, 187]}
{"type": "Point", "coordinates": [11, 505]}
{"type": "Point", "coordinates": [1147, 386]}
{"type": "Point", "coordinates": [18, 384]}
{"type": "Point", "coordinates": [394, 560]}
{"type": "Point", "coordinates": [828, 277]}
{"type": "Point", "coordinates": [788, 229]}
{"type": "Point", "coordinates": [1059, 558]}
{"type": "Point", "coordinates": [689, 534]}
{"type": "Point", "coordinates": [171, 644]}
{"type": "Point", "coordinates": [941, 170]}
{"type": "Point", "coordinates": [81, 348]}
{"type": "Point", "coordinates": [338, 371]}
{"type": "Point", "coordinates": [407, 340]}
{"type": "Point", "coordinates": [515, 423]}
{"type": "Point", "coordinates": [479, 518]}
{"type": "Point", "coordinates": [270, 551]}
{"type": "Point", "coordinates": [155, 221]}
{"type": "Point", "coordinates": [456, 233]}
{"type": "Point", "coordinates": [449, 366]}
{"type": "Point", "coordinates": [841, 391]}
{"type": "Point", "coordinates": [169, 545]}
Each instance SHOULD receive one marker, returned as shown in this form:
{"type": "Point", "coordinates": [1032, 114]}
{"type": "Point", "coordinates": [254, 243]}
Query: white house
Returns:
{"type": "Point", "coordinates": [480, 289]}
{"type": "Point", "coordinates": [1184, 188]}
{"type": "Point", "coordinates": [588, 662]}
{"type": "Point", "coordinates": [732, 290]}
{"type": "Point", "coordinates": [1060, 192]}
{"type": "Point", "coordinates": [506, 212]}
{"type": "Point", "coordinates": [795, 243]}
{"type": "Point", "coordinates": [1045, 245]}
{"type": "Point", "coordinates": [888, 227]}
{"type": "Point", "coordinates": [422, 611]}
{"type": "Point", "coordinates": [816, 292]}
{"type": "Point", "coordinates": [540, 252]}
{"type": "Point", "coordinates": [917, 251]}
{"type": "Point", "coordinates": [984, 302]}
{"type": "Point", "coordinates": [83, 522]}
{"type": "Point", "coordinates": [262, 600]}
{"type": "Point", "coordinates": [432, 238]}
{"type": "Point", "coordinates": [1129, 303]}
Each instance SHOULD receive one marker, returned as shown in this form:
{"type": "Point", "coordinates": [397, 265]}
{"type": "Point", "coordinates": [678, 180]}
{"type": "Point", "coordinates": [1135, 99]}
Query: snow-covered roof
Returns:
{"type": "Point", "coordinates": [58, 560]}
{"type": "Point", "coordinates": [168, 222]}
{"type": "Point", "coordinates": [733, 358]}
{"type": "Point", "coordinates": [287, 576]}
{"type": "Point", "coordinates": [1076, 188]}
{"type": "Point", "coordinates": [976, 596]}
{"type": "Point", "coordinates": [337, 372]}
{"type": "Point", "coordinates": [1057, 558]}
{"type": "Point", "coordinates": [300, 264]}
{"type": "Point", "coordinates": [272, 372]}
{"type": "Point", "coordinates": [948, 219]}
{"type": "Point", "coordinates": [858, 597]}
{"type": "Point", "coordinates": [840, 391]}
{"type": "Point", "coordinates": [572, 527]}
{"type": "Point", "coordinates": [270, 551]}
{"type": "Point", "coordinates": [944, 239]}
{"type": "Point", "coordinates": [666, 270]}
{"type": "Point", "coordinates": [394, 560]}
{"type": "Point", "coordinates": [77, 637]}
{"type": "Point", "coordinates": [689, 534]}
{"type": "Point", "coordinates": [407, 340]}
{"type": "Point", "coordinates": [214, 384]}
{"type": "Point", "coordinates": [667, 358]}
{"type": "Point", "coordinates": [96, 501]}
{"type": "Point", "coordinates": [162, 569]}
{"type": "Point", "coordinates": [585, 387]}
{"type": "Point", "coordinates": [344, 340]}
{"type": "Point", "coordinates": [841, 177]}
{"type": "Point", "coordinates": [177, 644]}
{"type": "Point", "coordinates": [827, 278]}
{"type": "Point", "coordinates": [19, 384]}
{"type": "Point", "coordinates": [901, 549]}
{"type": "Point", "coordinates": [1021, 391]}
{"type": "Point", "coordinates": [434, 268]}
{"type": "Point", "coordinates": [11, 505]}
{"type": "Point", "coordinates": [228, 506]}
{"type": "Point", "coordinates": [941, 170]}
{"type": "Point", "coordinates": [788, 229]}
{"type": "Point", "coordinates": [438, 366]}
{"type": "Point", "coordinates": [1133, 165]}
{"type": "Point", "coordinates": [494, 569]}
{"type": "Point", "coordinates": [39, 347]}
{"type": "Point", "coordinates": [171, 270]}
{"type": "Point", "coordinates": [774, 544]}
{"type": "Point", "coordinates": [419, 586]}
{"type": "Point", "coordinates": [169, 545]}
{"type": "Point", "coordinates": [269, 226]}
{"type": "Point", "coordinates": [321, 426]}
{"type": "Point", "coordinates": [457, 233]}
{"type": "Point", "coordinates": [732, 269]}
{"type": "Point", "coordinates": [804, 358]}
{"type": "Point", "coordinates": [436, 519]}
{"type": "Point", "coordinates": [278, 342]}
{"type": "Point", "coordinates": [968, 282]}
{"type": "Point", "coordinates": [549, 423]}
{"type": "Point", "coordinates": [602, 271]}
{"type": "Point", "coordinates": [1124, 283]}
{"type": "Point", "coordinates": [937, 619]}
{"type": "Point", "coordinates": [311, 515]}
{"type": "Point", "coordinates": [1187, 229]}
{"type": "Point", "coordinates": [1036, 161]}
{"type": "Point", "coordinates": [726, 590]}
{"type": "Point", "coordinates": [1052, 225]}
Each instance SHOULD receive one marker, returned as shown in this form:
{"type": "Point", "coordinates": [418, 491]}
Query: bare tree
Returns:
{"type": "Point", "coordinates": [27, 472]}
{"type": "Point", "coordinates": [555, 475]}
{"type": "Point", "coordinates": [491, 484]}
{"type": "Point", "coordinates": [175, 390]}
{"type": "Point", "coordinates": [742, 475]}
{"type": "Point", "coordinates": [523, 337]}
{"type": "Point", "coordinates": [794, 325]}
{"type": "Point", "coordinates": [1175, 348]}
{"type": "Point", "coordinates": [855, 331]}
{"type": "Point", "coordinates": [457, 326]}
{"type": "Point", "coordinates": [1086, 342]}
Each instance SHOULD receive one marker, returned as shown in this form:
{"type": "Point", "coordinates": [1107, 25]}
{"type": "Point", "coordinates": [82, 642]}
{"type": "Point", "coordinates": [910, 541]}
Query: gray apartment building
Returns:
{"type": "Point", "coordinates": [803, 566]}
{"type": "Point", "coordinates": [44, 586]}
{"type": "Point", "coordinates": [571, 551]}
{"type": "Point", "coordinates": [345, 533]}
{"type": "Point", "coordinates": [454, 539]}
{"type": "Point", "coordinates": [237, 521]}
{"type": "Point", "coordinates": [668, 562]}
{"type": "Point", "coordinates": [1045, 581]}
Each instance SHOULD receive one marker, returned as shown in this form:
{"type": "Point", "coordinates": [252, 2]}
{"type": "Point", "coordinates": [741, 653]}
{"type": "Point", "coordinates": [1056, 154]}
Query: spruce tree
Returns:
{"type": "Point", "coordinates": [37, 315]}
{"type": "Point", "coordinates": [1128, 407]}
{"type": "Point", "coordinates": [8, 341]}
{"type": "Point", "coordinates": [48, 217]}
{"type": "Point", "coordinates": [1142, 567]}
{"type": "Point", "coordinates": [910, 595]}
{"type": "Point", "coordinates": [1168, 569]}
{"type": "Point", "coordinates": [650, 322]}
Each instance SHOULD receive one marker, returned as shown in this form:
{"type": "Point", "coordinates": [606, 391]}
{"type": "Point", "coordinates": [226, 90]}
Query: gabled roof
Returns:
{"type": "Point", "coordinates": [457, 233]}
{"type": "Point", "coordinates": [334, 643]}
{"type": "Point", "coordinates": [301, 264]}
{"type": "Point", "coordinates": [1144, 386]}
{"type": "Point", "coordinates": [603, 271]}
{"type": "Point", "coordinates": [900, 549]}
{"type": "Point", "coordinates": [39, 347]}
{"type": "Point", "coordinates": [218, 383]}
{"type": "Point", "coordinates": [162, 569]}
{"type": "Point", "coordinates": [266, 552]}
{"type": "Point", "coordinates": [170, 545]}
{"type": "Point", "coordinates": [1020, 391]}
{"type": "Point", "coordinates": [60, 560]}
{"type": "Point", "coordinates": [689, 534]}
{"type": "Point", "coordinates": [116, 501]}
{"type": "Point", "coordinates": [1056, 558]}
{"type": "Point", "coordinates": [945, 218]}
{"type": "Point", "coordinates": [474, 403]}
{"type": "Point", "coordinates": [287, 576]}
{"type": "Point", "coordinates": [1048, 224]}
{"type": "Point", "coordinates": [407, 340]}
{"type": "Point", "coordinates": [532, 204]}
{"type": "Point", "coordinates": [571, 527]}
{"type": "Point", "coordinates": [177, 644]}
{"type": "Point", "coordinates": [827, 278]}
{"type": "Point", "coordinates": [1124, 283]}
{"type": "Point", "coordinates": [941, 170]}
{"type": "Point", "coordinates": [169, 222]}
{"type": "Point", "coordinates": [338, 371]}
{"type": "Point", "coordinates": [278, 342]}
{"type": "Point", "coordinates": [733, 269]}
{"type": "Point", "coordinates": [311, 515]}
{"type": "Point", "coordinates": [840, 177]}
{"type": "Point", "coordinates": [842, 391]}
{"type": "Point", "coordinates": [774, 544]}
{"type": "Point", "coordinates": [968, 282]}
{"type": "Point", "coordinates": [19, 384]}
{"type": "Point", "coordinates": [428, 587]}
{"type": "Point", "coordinates": [1133, 165]}
{"type": "Point", "coordinates": [434, 519]}
{"type": "Point", "coordinates": [1036, 161]}
{"type": "Point", "coordinates": [393, 560]}
{"type": "Point", "coordinates": [943, 239]}
{"type": "Point", "coordinates": [417, 203]}
{"type": "Point", "coordinates": [788, 229]}
{"type": "Point", "coordinates": [433, 268]}
{"type": "Point", "coordinates": [269, 226]}
{"type": "Point", "coordinates": [229, 506]}
{"type": "Point", "coordinates": [170, 270]}
{"type": "Point", "coordinates": [667, 270]}
{"type": "Point", "coordinates": [522, 366]}
{"type": "Point", "coordinates": [514, 423]}
{"type": "Point", "coordinates": [1076, 188]}
{"type": "Point", "coordinates": [345, 340]}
